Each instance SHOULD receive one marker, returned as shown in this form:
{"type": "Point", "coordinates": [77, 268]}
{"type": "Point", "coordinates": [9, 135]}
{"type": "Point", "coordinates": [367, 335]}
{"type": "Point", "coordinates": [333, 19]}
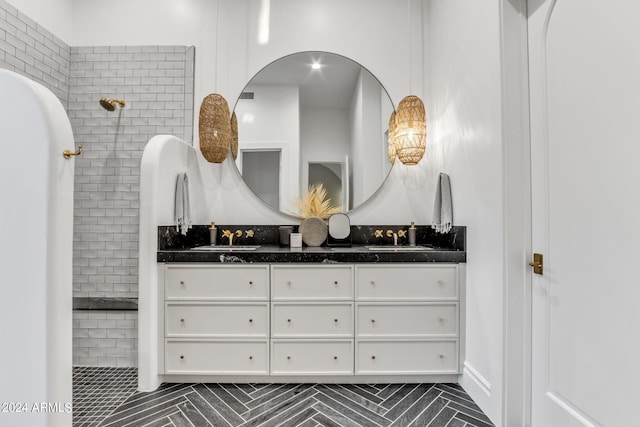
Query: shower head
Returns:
{"type": "Point", "coordinates": [110, 104]}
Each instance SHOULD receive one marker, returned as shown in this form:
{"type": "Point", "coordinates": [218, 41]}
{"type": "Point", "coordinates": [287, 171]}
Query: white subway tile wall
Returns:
{"type": "Point", "coordinates": [105, 338]}
{"type": "Point", "coordinates": [157, 84]}
{"type": "Point", "coordinates": [30, 50]}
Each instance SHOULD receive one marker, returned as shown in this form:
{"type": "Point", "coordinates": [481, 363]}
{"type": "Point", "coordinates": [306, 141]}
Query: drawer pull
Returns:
{"type": "Point", "coordinates": [250, 357]}
{"type": "Point", "coordinates": [335, 320]}
{"type": "Point", "coordinates": [250, 320]}
{"type": "Point", "coordinates": [181, 320]}
{"type": "Point", "coordinates": [442, 356]}
{"type": "Point", "coordinates": [288, 320]}
{"type": "Point", "coordinates": [251, 282]}
{"type": "Point", "coordinates": [181, 282]}
{"type": "Point", "coordinates": [373, 358]}
{"type": "Point", "coordinates": [182, 357]}
{"type": "Point", "coordinates": [440, 282]}
{"type": "Point", "coordinates": [441, 320]}
{"type": "Point", "coordinates": [335, 282]}
{"type": "Point", "coordinates": [288, 357]}
{"type": "Point", "coordinates": [373, 320]}
{"type": "Point", "coordinates": [373, 283]}
{"type": "Point", "coordinates": [289, 282]}
{"type": "Point", "coordinates": [335, 357]}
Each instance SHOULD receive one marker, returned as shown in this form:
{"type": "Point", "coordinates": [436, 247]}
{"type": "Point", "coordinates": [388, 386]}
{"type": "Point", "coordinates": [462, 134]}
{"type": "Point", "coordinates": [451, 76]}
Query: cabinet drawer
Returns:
{"type": "Point", "coordinates": [406, 357]}
{"type": "Point", "coordinates": [216, 357]}
{"type": "Point", "coordinates": [216, 320]}
{"type": "Point", "coordinates": [317, 282]}
{"type": "Point", "coordinates": [312, 320]}
{"type": "Point", "coordinates": [407, 282]}
{"type": "Point", "coordinates": [219, 282]}
{"type": "Point", "coordinates": [406, 320]}
{"type": "Point", "coordinates": [312, 357]}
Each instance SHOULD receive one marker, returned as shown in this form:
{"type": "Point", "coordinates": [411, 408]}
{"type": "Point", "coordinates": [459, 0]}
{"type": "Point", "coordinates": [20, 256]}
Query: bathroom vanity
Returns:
{"type": "Point", "coordinates": [321, 314]}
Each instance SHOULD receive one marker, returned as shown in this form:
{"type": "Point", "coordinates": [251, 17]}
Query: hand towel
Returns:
{"type": "Point", "coordinates": [442, 206]}
{"type": "Point", "coordinates": [182, 211]}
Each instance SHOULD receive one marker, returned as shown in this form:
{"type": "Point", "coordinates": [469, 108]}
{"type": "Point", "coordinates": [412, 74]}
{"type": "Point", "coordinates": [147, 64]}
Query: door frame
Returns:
{"type": "Point", "coordinates": [517, 226]}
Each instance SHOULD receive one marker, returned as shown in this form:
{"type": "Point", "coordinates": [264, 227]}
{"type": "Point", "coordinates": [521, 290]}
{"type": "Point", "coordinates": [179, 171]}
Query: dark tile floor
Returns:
{"type": "Point", "coordinates": [107, 397]}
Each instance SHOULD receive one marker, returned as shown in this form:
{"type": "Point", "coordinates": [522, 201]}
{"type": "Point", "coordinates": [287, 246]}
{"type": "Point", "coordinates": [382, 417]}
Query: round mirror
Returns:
{"type": "Point", "coordinates": [310, 119]}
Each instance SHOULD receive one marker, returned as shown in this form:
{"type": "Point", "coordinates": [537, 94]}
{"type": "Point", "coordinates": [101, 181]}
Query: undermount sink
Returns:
{"type": "Point", "coordinates": [389, 248]}
{"type": "Point", "coordinates": [239, 248]}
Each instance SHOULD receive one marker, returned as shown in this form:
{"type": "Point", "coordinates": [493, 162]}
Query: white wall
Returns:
{"type": "Point", "coordinates": [54, 15]}
{"type": "Point", "coordinates": [466, 142]}
{"type": "Point", "coordinates": [35, 308]}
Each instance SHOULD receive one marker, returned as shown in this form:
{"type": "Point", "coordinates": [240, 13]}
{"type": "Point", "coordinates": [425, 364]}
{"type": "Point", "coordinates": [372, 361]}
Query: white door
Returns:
{"type": "Point", "coordinates": [585, 130]}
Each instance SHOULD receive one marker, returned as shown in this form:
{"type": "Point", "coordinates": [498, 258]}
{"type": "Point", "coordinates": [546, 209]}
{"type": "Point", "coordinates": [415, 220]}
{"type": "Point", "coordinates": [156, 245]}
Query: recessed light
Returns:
{"type": "Point", "coordinates": [316, 66]}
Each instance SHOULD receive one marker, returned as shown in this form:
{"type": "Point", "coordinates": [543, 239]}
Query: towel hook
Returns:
{"type": "Point", "coordinates": [69, 154]}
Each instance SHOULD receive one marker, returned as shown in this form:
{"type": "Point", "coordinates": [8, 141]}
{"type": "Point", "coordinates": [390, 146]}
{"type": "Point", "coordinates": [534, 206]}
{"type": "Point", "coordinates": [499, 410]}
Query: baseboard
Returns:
{"type": "Point", "coordinates": [479, 389]}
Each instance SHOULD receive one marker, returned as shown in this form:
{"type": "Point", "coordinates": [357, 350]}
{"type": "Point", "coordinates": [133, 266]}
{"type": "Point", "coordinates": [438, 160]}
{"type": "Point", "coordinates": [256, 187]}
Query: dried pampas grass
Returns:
{"type": "Point", "coordinates": [315, 203]}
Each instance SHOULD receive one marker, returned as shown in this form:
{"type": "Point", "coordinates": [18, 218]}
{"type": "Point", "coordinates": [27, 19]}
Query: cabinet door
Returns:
{"type": "Point", "coordinates": [407, 357]}
{"type": "Point", "coordinates": [312, 282]}
{"type": "Point", "coordinates": [406, 320]}
{"type": "Point", "coordinates": [407, 282]}
{"type": "Point", "coordinates": [216, 320]}
{"type": "Point", "coordinates": [308, 357]}
{"type": "Point", "coordinates": [216, 357]}
{"type": "Point", "coordinates": [217, 282]}
{"type": "Point", "coordinates": [312, 320]}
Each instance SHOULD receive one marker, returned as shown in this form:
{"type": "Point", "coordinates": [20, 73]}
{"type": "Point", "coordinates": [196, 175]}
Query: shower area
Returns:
{"type": "Point", "coordinates": [119, 97]}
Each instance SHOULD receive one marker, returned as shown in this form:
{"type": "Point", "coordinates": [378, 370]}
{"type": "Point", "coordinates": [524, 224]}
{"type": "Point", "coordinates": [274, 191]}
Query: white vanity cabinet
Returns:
{"type": "Point", "coordinates": [407, 319]}
{"type": "Point", "coordinates": [216, 319]}
{"type": "Point", "coordinates": [312, 319]}
{"type": "Point", "coordinates": [346, 322]}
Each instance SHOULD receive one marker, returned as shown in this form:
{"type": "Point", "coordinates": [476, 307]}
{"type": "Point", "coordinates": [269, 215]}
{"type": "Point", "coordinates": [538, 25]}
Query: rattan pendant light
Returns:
{"type": "Point", "coordinates": [234, 135]}
{"type": "Point", "coordinates": [214, 126]}
{"type": "Point", "coordinates": [411, 130]}
{"type": "Point", "coordinates": [391, 142]}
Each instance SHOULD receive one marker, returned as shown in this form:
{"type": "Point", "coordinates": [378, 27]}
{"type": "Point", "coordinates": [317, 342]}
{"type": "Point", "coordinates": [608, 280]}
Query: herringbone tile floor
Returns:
{"type": "Point", "coordinates": [177, 405]}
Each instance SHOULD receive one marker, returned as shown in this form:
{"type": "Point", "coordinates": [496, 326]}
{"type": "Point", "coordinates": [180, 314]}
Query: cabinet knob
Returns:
{"type": "Point", "coordinates": [373, 358]}
{"type": "Point", "coordinates": [440, 282]}
{"type": "Point", "coordinates": [182, 356]}
{"type": "Point", "coordinates": [373, 282]}
{"type": "Point", "coordinates": [251, 282]}
{"type": "Point", "coordinates": [288, 357]}
{"type": "Point", "coordinates": [181, 282]}
{"type": "Point", "coordinates": [289, 320]}
{"type": "Point", "coordinates": [335, 282]}
{"type": "Point", "coordinates": [335, 320]}
{"type": "Point", "coordinates": [250, 320]}
{"type": "Point", "coordinates": [373, 320]}
{"type": "Point", "coordinates": [441, 356]}
{"type": "Point", "coordinates": [441, 320]}
{"type": "Point", "coordinates": [181, 320]}
{"type": "Point", "coordinates": [250, 357]}
{"type": "Point", "coordinates": [335, 357]}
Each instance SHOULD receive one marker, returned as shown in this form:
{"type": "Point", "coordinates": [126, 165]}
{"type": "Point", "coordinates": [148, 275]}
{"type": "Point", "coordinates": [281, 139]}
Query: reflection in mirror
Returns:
{"type": "Point", "coordinates": [300, 124]}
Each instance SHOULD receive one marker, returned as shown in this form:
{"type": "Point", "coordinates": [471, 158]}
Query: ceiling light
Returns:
{"type": "Point", "coordinates": [316, 66]}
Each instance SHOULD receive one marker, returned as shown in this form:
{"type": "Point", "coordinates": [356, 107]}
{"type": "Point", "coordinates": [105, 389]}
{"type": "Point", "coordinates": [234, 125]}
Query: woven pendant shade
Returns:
{"type": "Point", "coordinates": [411, 134]}
{"type": "Point", "coordinates": [215, 128]}
{"type": "Point", "coordinates": [234, 135]}
{"type": "Point", "coordinates": [391, 144]}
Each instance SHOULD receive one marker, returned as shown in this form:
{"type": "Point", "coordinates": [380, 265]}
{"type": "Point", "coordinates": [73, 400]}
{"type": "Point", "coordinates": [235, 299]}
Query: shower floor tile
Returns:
{"type": "Point", "coordinates": [98, 391]}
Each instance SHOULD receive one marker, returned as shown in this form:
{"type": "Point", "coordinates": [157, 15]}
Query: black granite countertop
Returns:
{"type": "Point", "coordinates": [173, 247]}
{"type": "Point", "coordinates": [322, 254]}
